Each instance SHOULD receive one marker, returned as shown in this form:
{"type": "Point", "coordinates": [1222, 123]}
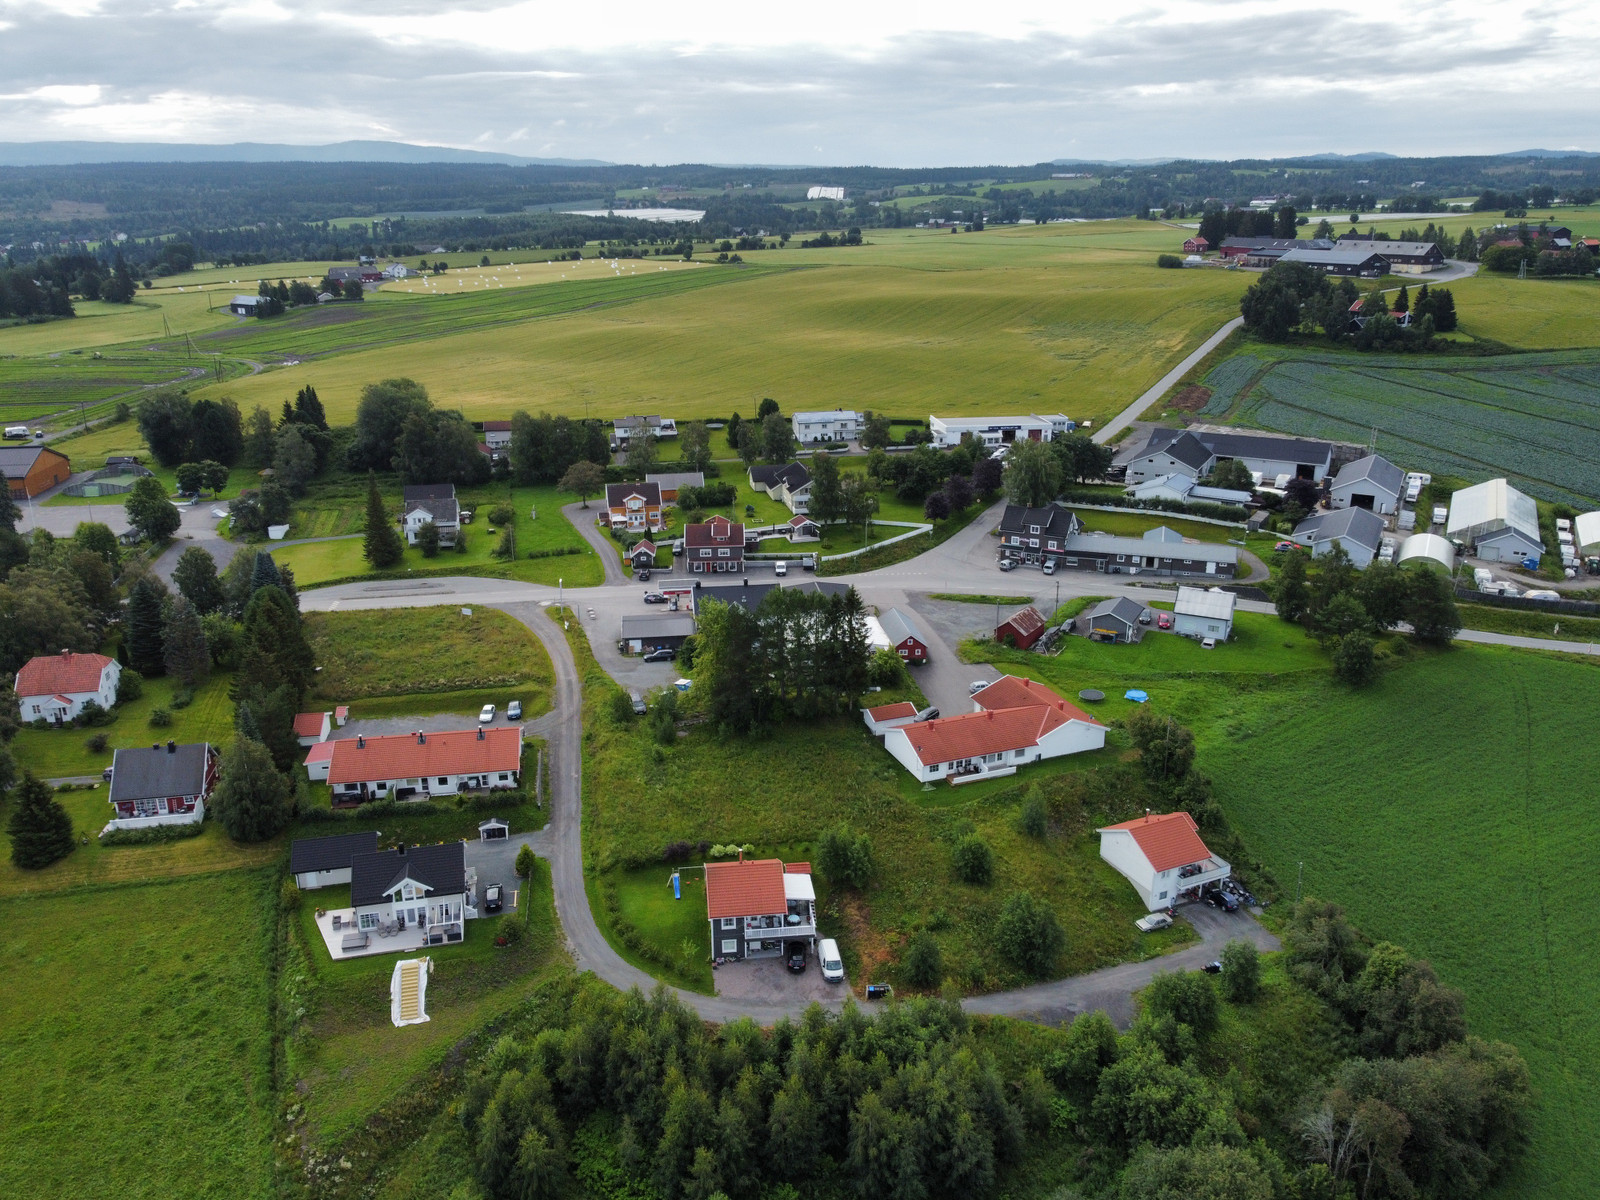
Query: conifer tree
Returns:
{"type": "Point", "coordinates": [184, 650]}
{"type": "Point", "coordinates": [252, 797]}
{"type": "Point", "coordinates": [382, 545]}
{"type": "Point", "coordinates": [40, 829]}
{"type": "Point", "coordinates": [143, 628]}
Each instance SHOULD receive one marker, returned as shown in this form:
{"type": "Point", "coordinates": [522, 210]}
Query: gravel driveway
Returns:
{"type": "Point", "coordinates": [768, 981]}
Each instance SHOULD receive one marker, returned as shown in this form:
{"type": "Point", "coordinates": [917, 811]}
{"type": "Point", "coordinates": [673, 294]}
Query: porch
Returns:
{"type": "Point", "coordinates": [344, 940]}
{"type": "Point", "coordinates": [1202, 874]}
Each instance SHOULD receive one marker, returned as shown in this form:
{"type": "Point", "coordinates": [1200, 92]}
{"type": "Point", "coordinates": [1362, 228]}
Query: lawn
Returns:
{"type": "Point", "coordinates": [1043, 318]}
{"type": "Point", "coordinates": [335, 507]}
{"type": "Point", "coordinates": [1456, 841]}
{"type": "Point", "coordinates": [344, 1058]}
{"type": "Point", "coordinates": [376, 652]}
{"type": "Point", "coordinates": [1534, 418]}
{"type": "Point", "coordinates": [835, 772]}
{"type": "Point", "coordinates": [62, 753]}
{"type": "Point", "coordinates": [136, 1043]}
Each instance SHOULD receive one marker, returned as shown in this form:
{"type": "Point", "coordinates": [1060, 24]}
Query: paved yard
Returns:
{"type": "Point", "coordinates": [768, 981]}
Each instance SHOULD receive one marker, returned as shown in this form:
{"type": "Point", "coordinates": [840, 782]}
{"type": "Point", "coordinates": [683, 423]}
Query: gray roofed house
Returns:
{"type": "Point", "coordinates": [325, 861]}
{"type": "Point", "coordinates": [904, 637]}
{"type": "Point", "coordinates": [1347, 260]}
{"type": "Point", "coordinates": [1037, 529]}
{"type": "Point", "coordinates": [792, 474]}
{"type": "Point", "coordinates": [161, 771]}
{"type": "Point", "coordinates": [1203, 613]}
{"type": "Point", "coordinates": [1114, 620]}
{"type": "Point", "coordinates": [1359, 531]}
{"type": "Point", "coordinates": [1162, 533]}
{"type": "Point", "coordinates": [750, 595]}
{"type": "Point", "coordinates": [1170, 452]}
{"type": "Point", "coordinates": [436, 502]}
{"type": "Point", "coordinates": [1149, 556]}
{"type": "Point", "coordinates": [670, 482]}
{"type": "Point", "coordinates": [1372, 482]}
{"type": "Point", "coordinates": [441, 869]}
{"type": "Point", "coordinates": [654, 631]}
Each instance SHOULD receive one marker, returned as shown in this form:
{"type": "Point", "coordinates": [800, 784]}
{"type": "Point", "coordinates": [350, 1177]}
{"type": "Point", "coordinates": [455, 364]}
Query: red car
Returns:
{"type": "Point", "coordinates": [1164, 621]}
{"type": "Point", "coordinates": [1284, 547]}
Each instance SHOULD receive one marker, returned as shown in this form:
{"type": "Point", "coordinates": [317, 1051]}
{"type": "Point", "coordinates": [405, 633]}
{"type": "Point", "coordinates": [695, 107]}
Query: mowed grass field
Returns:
{"type": "Point", "coordinates": [134, 1041]}
{"type": "Point", "coordinates": [376, 653]}
{"type": "Point", "coordinates": [1448, 808]}
{"type": "Point", "coordinates": [1072, 318]}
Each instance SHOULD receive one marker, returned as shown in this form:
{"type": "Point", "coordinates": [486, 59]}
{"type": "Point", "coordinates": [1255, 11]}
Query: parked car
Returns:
{"type": "Point", "coordinates": [1145, 618]}
{"type": "Point", "coordinates": [828, 958]}
{"type": "Point", "coordinates": [654, 598]}
{"type": "Point", "coordinates": [638, 703]}
{"type": "Point", "coordinates": [644, 575]}
{"type": "Point", "coordinates": [781, 569]}
{"type": "Point", "coordinates": [1208, 643]}
{"type": "Point", "coordinates": [1222, 900]}
{"type": "Point", "coordinates": [1283, 547]}
{"type": "Point", "coordinates": [486, 714]}
{"type": "Point", "coordinates": [928, 713]}
{"type": "Point", "coordinates": [661, 655]}
{"type": "Point", "coordinates": [1212, 968]}
{"type": "Point", "coordinates": [976, 686]}
{"type": "Point", "coordinates": [1008, 564]}
{"type": "Point", "coordinates": [1164, 620]}
{"type": "Point", "coordinates": [492, 899]}
{"type": "Point", "coordinates": [1049, 566]}
{"type": "Point", "coordinates": [795, 957]}
{"type": "Point", "coordinates": [106, 774]}
{"type": "Point", "coordinates": [514, 711]}
{"type": "Point", "coordinates": [1153, 922]}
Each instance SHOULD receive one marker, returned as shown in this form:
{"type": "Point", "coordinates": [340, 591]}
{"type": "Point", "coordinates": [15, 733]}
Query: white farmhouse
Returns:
{"type": "Point", "coordinates": [431, 502]}
{"type": "Point", "coordinates": [55, 687]}
{"type": "Point", "coordinates": [839, 425]}
{"type": "Point", "coordinates": [999, 431]}
{"type": "Point", "coordinates": [1163, 857]}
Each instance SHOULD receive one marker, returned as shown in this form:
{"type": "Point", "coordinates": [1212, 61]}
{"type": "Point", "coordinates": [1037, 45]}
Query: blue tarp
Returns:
{"type": "Point", "coordinates": [1135, 695]}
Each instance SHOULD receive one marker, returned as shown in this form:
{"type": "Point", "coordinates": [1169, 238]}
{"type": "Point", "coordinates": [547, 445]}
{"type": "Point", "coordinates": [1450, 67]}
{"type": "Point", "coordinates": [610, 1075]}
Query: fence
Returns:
{"type": "Point", "coordinates": [106, 481]}
{"type": "Point", "coordinates": [1571, 608]}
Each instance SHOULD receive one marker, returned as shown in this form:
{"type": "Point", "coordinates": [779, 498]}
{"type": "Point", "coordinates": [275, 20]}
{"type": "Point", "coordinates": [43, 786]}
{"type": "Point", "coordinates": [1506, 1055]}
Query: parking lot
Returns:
{"type": "Point", "coordinates": [768, 981]}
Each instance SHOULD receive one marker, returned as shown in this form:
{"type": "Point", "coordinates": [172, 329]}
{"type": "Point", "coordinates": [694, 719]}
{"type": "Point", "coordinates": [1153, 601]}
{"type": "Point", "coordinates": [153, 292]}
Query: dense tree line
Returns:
{"type": "Point", "coordinates": [1293, 298]}
{"type": "Point", "coordinates": [544, 448]}
{"type": "Point", "coordinates": [798, 655]}
{"type": "Point", "coordinates": [398, 429]}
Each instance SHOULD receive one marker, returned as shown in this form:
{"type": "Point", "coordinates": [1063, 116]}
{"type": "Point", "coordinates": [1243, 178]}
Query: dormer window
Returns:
{"type": "Point", "coordinates": [1033, 529]}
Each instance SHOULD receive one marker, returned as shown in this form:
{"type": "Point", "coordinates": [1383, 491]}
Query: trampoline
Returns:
{"type": "Point", "coordinates": [1091, 695]}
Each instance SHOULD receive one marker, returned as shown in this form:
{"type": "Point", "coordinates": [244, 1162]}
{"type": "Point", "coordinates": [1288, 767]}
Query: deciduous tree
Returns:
{"type": "Point", "coordinates": [149, 511]}
{"type": "Point", "coordinates": [1032, 474]}
{"type": "Point", "coordinates": [252, 799]}
{"type": "Point", "coordinates": [585, 478]}
{"type": "Point", "coordinates": [196, 579]}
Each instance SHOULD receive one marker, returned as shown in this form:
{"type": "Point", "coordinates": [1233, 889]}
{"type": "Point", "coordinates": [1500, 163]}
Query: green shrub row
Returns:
{"type": "Point", "coordinates": [151, 835]}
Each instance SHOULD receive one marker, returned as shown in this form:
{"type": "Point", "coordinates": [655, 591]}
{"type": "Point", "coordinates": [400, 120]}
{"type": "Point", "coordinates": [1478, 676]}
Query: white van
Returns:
{"type": "Point", "coordinates": [828, 958]}
{"type": "Point", "coordinates": [781, 569]}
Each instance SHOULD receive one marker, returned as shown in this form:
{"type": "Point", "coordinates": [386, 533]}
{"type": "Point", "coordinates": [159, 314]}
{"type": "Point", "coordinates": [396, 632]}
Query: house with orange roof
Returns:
{"type": "Point", "coordinates": [756, 905]}
{"type": "Point", "coordinates": [55, 687]}
{"type": "Point", "coordinates": [312, 727]}
{"type": "Point", "coordinates": [415, 766]}
{"type": "Point", "coordinates": [1162, 855]}
{"type": "Point", "coordinates": [889, 716]}
{"type": "Point", "coordinates": [1015, 721]}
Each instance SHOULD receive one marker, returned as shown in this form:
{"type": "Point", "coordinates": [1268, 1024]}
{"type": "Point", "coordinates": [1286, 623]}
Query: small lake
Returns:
{"type": "Point", "coordinates": [642, 214]}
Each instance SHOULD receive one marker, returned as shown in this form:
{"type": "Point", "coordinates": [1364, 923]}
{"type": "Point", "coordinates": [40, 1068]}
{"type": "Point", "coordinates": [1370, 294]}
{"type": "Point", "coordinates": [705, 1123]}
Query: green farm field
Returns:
{"type": "Point", "coordinates": [1456, 841]}
{"type": "Point", "coordinates": [136, 1040]}
{"type": "Point", "coordinates": [1066, 317]}
{"type": "Point", "coordinates": [1534, 418]}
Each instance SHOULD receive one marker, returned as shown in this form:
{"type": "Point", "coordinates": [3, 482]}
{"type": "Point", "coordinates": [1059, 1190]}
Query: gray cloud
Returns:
{"type": "Point", "coordinates": [1216, 84]}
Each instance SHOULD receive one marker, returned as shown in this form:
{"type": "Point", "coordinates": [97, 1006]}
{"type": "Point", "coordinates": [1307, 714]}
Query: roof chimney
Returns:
{"type": "Point", "coordinates": [65, 653]}
{"type": "Point", "coordinates": [401, 849]}
{"type": "Point", "coordinates": [480, 733]}
{"type": "Point", "coordinates": [172, 747]}
{"type": "Point", "coordinates": [361, 742]}
{"type": "Point", "coordinates": [421, 741]}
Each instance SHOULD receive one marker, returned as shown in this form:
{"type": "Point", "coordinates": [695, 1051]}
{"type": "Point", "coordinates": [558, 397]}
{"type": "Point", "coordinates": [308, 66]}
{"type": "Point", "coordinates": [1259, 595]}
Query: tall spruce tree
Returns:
{"type": "Point", "coordinates": [143, 629]}
{"type": "Point", "coordinates": [382, 544]}
{"type": "Point", "coordinates": [251, 800]}
{"type": "Point", "coordinates": [264, 573]}
{"type": "Point", "coordinates": [185, 652]}
{"type": "Point", "coordinates": [274, 646]}
{"type": "Point", "coordinates": [40, 829]}
{"type": "Point", "coordinates": [308, 409]}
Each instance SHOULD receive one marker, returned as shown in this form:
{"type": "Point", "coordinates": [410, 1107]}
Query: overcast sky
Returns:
{"type": "Point", "coordinates": [927, 83]}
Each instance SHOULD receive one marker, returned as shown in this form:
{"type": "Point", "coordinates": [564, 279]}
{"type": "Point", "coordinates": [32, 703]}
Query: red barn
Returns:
{"type": "Point", "coordinates": [1022, 627]}
{"type": "Point", "coordinates": [1196, 245]}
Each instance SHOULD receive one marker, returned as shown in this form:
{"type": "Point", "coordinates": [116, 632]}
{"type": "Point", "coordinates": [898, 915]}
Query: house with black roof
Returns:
{"type": "Point", "coordinates": [1170, 452]}
{"type": "Point", "coordinates": [413, 887]}
{"type": "Point", "coordinates": [164, 785]}
{"type": "Point", "coordinates": [1114, 620]}
{"type": "Point", "coordinates": [325, 861]}
{"type": "Point", "coordinates": [1358, 530]}
{"type": "Point", "coordinates": [431, 502]}
{"type": "Point", "coordinates": [789, 484]}
{"type": "Point", "coordinates": [1195, 452]}
{"type": "Point", "coordinates": [1032, 534]}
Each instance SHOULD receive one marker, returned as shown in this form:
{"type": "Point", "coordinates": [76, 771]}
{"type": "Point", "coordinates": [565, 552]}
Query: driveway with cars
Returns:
{"type": "Point", "coordinates": [769, 981]}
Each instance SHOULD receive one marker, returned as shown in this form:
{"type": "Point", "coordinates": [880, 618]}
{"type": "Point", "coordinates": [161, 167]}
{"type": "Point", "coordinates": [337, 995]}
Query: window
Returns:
{"type": "Point", "coordinates": [1034, 542]}
{"type": "Point", "coordinates": [705, 554]}
{"type": "Point", "coordinates": [729, 923]}
{"type": "Point", "coordinates": [1122, 558]}
{"type": "Point", "coordinates": [369, 920]}
{"type": "Point", "coordinates": [730, 946]}
{"type": "Point", "coordinates": [1033, 529]}
{"type": "Point", "coordinates": [444, 779]}
{"type": "Point", "coordinates": [1052, 544]}
{"type": "Point", "coordinates": [724, 553]}
{"type": "Point", "coordinates": [1163, 896]}
{"type": "Point", "coordinates": [35, 710]}
{"type": "Point", "coordinates": [1021, 753]}
{"type": "Point", "coordinates": [504, 776]}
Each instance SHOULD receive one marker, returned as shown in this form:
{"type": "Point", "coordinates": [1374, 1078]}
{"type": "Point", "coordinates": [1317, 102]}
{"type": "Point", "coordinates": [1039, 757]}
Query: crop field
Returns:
{"type": "Point", "coordinates": [1227, 380]}
{"type": "Point", "coordinates": [374, 653]}
{"type": "Point", "coordinates": [134, 1033]}
{"type": "Point", "coordinates": [1457, 840]}
{"type": "Point", "coordinates": [1534, 418]}
{"type": "Point", "coordinates": [35, 387]}
{"type": "Point", "coordinates": [1063, 317]}
{"type": "Point", "coordinates": [1531, 314]}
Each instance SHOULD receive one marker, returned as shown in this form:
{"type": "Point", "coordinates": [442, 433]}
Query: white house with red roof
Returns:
{"type": "Point", "coordinates": [714, 547]}
{"type": "Point", "coordinates": [1015, 721]}
{"type": "Point", "coordinates": [889, 716]}
{"type": "Point", "coordinates": [55, 687]}
{"type": "Point", "coordinates": [415, 766]}
{"type": "Point", "coordinates": [755, 905]}
{"type": "Point", "coordinates": [1162, 855]}
{"type": "Point", "coordinates": [312, 727]}
{"type": "Point", "coordinates": [318, 759]}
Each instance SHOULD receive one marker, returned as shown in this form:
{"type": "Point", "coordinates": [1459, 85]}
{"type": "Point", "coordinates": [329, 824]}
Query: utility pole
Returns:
{"type": "Point", "coordinates": [1300, 871]}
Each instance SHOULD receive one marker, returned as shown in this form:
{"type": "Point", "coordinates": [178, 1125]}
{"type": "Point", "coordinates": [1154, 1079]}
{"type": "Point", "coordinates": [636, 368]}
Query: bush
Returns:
{"type": "Point", "coordinates": [1241, 972]}
{"type": "Point", "coordinates": [96, 744]}
{"type": "Point", "coordinates": [160, 718]}
{"type": "Point", "coordinates": [924, 964]}
{"type": "Point", "coordinates": [428, 539]}
{"type": "Point", "coordinates": [152, 835]}
{"type": "Point", "coordinates": [524, 863]}
{"type": "Point", "coordinates": [183, 697]}
{"type": "Point", "coordinates": [677, 852]}
{"type": "Point", "coordinates": [845, 858]}
{"type": "Point", "coordinates": [1185, 996]}
{"type": "Point", "coordinates": [91, 715]}
{"type": "Point", "coordinates": [973, 860]}
{"type": "Point", "coordinates": [502, 514]}
{"type": "Point", "coordinates": [1028, 933]}
{"type": "Point", "coordinates": [288, 895]}
{"type": "Point", "coordinates": [1169, 261]}
{"type": "Point", "coordinates": [130, 685]}
{"type": "Point", "coordinates": [1032, 821]}
{"type": "Point", "coordinates": [508, 930]}
{"type": "Point", "coordinates": [621, 707]}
